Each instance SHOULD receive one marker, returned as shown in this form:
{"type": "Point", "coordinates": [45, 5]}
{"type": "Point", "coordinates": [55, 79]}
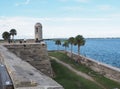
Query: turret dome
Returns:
{"type": "Point", "coordinates": [38, 25]}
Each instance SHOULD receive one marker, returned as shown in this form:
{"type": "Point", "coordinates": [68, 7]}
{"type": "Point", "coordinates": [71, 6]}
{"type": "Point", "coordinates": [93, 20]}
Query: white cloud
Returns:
{"type": "Point", "coordinates": [75, 8]}
{"type": "Point", "coordinates": [27, 2]}
{"type": "Point", "coordinates": [59, 27]}
{"type": "Point", "coordinates": [23, 3]}
{"type": "Point", "coordinates": [63, 0]}
{"type": "Point", "coordinates": [67, 19]}
{"type": "Point", "coordinates": [104, 7]}
{"type": "Point", "coordinates": [115, 15]}
{"type": "Point", "coordinates": [83, 1]}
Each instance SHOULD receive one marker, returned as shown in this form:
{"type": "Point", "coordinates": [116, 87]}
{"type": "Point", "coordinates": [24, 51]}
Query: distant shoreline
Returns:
{"type": "Point", "coordinates": [67, 38]}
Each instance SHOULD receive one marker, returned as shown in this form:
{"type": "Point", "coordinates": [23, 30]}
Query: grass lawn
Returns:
{"type": "Point", "coordinates": [107, 83]}
{"type": "Point", "coordinates": [70, 80]}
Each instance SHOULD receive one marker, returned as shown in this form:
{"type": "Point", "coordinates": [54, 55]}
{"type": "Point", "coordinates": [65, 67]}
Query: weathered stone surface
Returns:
{"type": "Point", "coordinates": [34, 53]}
{"type": "Point", "coordinates": [23, 75]}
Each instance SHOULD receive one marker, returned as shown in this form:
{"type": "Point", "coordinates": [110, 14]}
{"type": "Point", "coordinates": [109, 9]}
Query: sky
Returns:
{"type": "Point", "coordinates": [61, 18]}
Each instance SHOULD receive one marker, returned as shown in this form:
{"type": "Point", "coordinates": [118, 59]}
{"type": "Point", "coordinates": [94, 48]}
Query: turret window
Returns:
{"type": "Point", "coordinates": [36, 29]}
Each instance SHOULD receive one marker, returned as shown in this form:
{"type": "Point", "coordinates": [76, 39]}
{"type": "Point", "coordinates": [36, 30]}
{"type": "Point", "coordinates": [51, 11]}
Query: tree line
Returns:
{"type": "Point", "coordinates": [79, 40]}
{"type": "Point", "coordinates": [7, 35]}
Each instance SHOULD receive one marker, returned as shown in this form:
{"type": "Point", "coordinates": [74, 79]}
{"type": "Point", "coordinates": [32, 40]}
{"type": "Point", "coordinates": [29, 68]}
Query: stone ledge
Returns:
{"type": "Point", "coordinates": [23, 75]}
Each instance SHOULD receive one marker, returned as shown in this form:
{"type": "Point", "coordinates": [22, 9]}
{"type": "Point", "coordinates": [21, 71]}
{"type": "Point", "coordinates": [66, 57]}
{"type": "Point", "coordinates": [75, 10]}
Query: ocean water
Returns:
{"type": "Point", "coordinates": [100, 49]}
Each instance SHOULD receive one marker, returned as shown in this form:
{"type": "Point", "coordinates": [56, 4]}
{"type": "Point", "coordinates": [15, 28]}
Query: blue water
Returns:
{"type": "Point", "coordinates": [102, 50]}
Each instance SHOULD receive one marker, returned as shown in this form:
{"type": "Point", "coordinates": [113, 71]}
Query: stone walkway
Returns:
{"type": "Point", "coordinates": [77, 72]}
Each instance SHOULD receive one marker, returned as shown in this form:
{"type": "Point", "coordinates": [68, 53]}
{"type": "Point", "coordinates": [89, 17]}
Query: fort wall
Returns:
{"type": "Point", "coordinates": [23, 75]}
{"type": "Point", "coordinates": [35, 54]}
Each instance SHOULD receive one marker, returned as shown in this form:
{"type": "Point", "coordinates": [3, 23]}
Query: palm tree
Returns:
{"type": "Point", "coordinates": [58, 42]}
{"type": "Point", "coordinates": [71, 40]}
{"type": "Point", "coordinates": [79, 41]}
{"type": "Point", "coordinates": [65, 44]}
{"type": "Point", "coordinates": [13, 32]}
{"type": "Point", "coordinates": [6, 36]}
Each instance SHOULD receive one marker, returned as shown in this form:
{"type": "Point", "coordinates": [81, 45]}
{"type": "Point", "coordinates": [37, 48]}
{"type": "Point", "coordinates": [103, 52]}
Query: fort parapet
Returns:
{"type": "Point", "coordinates": [23, 74]}
{"type": "Point", "coordinates": [33, 53]}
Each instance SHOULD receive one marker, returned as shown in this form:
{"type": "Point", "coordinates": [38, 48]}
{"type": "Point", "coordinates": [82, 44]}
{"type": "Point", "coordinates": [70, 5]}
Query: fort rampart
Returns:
{"type": "Point", "coordinates": [23, 74]}
{"type": "Point", "coordinates": [33, 53]}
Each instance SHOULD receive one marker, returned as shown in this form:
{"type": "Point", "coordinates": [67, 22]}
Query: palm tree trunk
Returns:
{"type": "Point", "coordinates": [78, 50]}
{"type": "Point", "coordinates": [71, 51]}
{"type": "Point", "coordinates": [65, 49]}
{"type": "Point", "coordinates": [58, 47]}
{"type": "Point", "coordinates": [78, 53]}
{"type": "Point", "coordinates": [13, 38]}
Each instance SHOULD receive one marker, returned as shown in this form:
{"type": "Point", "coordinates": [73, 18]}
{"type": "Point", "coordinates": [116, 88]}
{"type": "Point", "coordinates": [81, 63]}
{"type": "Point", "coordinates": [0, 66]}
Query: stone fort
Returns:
{"type": "Point", "coordinates": [28, 63]}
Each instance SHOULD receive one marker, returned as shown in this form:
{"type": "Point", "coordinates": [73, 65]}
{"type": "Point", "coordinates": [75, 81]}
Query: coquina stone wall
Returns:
{"type": "Point", "coordinates": [104, 69]}
{"type": "Point", "coordinates": [33, 53]}
{"type": "Point", "coordinates": [23, 75]}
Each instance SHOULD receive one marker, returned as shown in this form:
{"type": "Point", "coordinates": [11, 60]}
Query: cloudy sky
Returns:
{"type": "Point", "coordinates": [61, 18]}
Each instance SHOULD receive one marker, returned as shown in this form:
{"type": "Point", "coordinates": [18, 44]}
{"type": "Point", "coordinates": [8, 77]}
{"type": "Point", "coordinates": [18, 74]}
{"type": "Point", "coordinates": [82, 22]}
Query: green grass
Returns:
{"type": "Point", "coordinates": [70, 80]}
{"type": "Point", "coordinates": [107, 83]}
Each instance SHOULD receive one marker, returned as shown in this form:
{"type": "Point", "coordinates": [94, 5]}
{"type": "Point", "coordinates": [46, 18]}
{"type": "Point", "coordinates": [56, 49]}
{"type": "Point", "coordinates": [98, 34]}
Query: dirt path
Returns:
{"type": "Point", "coordinates": [74, 70]}
{"type": "Point", "coordinates": [77, 72]}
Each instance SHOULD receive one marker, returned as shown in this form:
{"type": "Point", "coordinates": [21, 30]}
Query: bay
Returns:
{"type": "Point", "coordinates": [106, 50]}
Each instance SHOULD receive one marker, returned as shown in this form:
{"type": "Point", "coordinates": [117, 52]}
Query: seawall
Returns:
{"type": "Point", "coordinates": [104, 69]}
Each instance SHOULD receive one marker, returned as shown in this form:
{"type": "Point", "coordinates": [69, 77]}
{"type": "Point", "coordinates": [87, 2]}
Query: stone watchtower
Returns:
{"type": "Point", "coordinates": [38, 32]}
